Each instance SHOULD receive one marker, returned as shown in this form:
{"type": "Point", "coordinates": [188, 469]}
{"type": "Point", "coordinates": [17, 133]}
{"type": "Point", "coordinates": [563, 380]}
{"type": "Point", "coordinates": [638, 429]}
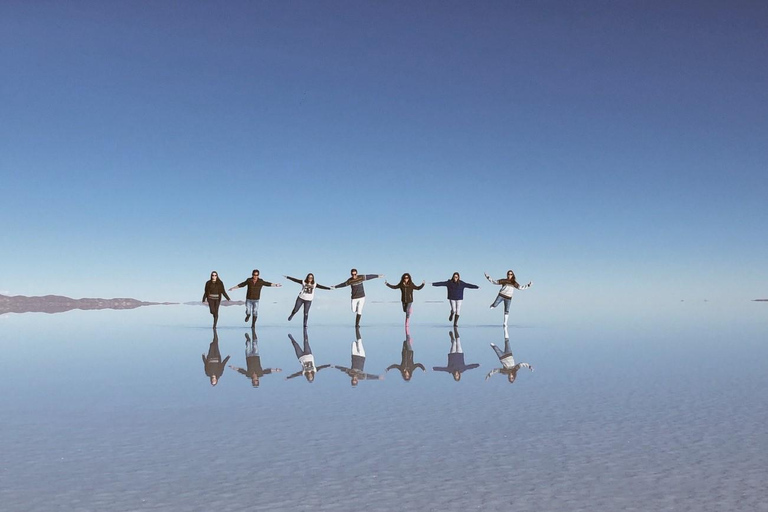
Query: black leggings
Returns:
{"type": "Point", "coordinates": [307, 304]}
{"type": "Point", "coordinates": [213, 305]}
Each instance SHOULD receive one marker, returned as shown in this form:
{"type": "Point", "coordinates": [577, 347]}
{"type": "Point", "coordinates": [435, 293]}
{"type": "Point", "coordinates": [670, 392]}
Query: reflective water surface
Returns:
{"type": "Point", "coordinates": [150, 409]}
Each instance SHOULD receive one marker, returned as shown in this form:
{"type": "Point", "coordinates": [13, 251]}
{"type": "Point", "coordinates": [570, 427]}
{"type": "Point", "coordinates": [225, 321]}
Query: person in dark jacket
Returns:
{"type": "Point", "coordinates": [456, 365]}
{"type": "Point", "coordinates": [253, 369]}
{"type": "Point", "coordinates": [214, 366]}
{"type": "Point", "coordinates": [214, 289]}
{"type": "Point", "coordinates": [455, 294]}
{"type": "Point", "coordinates": [253, 295]}
{"type": "Point", "coordinates": [356, 371]}
{"type": "Point", "coordinates": [407, 366]}
{"type": "Point", "coordinates": [406, 288]}
{"type": "Point", "coordinates": [358, 292]}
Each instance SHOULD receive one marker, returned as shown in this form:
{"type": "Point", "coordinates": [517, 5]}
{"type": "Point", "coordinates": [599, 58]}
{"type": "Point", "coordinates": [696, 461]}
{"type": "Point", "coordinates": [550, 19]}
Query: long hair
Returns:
{"type": "Point", "coordinates": [512, 280]}
{"type": "Point", "coordinates": [214, 272]}
{"type": "Point", "coordinates": [457, 276]}
{"type": "Point", "coordinates": [307, 280]}
{"type": "Point", "coordinates": [402, 278]}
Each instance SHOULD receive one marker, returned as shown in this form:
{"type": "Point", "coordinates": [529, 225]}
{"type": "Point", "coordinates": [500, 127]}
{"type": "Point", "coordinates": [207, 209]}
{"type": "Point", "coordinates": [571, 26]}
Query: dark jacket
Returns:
{"type": "Point", "coordinates": [406, 290]}
{"type": "Point", "coordinates": [456, 289]}
{"type": "Point", "coordinates": [214, 288]}
{"type": "Point", "coordinates": [358, 292]}
{"type": "Point", "coordinates": [254, 289]}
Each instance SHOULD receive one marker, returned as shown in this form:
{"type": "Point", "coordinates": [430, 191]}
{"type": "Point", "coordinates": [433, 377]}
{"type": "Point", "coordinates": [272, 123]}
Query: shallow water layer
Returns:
{"type": "Point", "coordinates": [114, 410]}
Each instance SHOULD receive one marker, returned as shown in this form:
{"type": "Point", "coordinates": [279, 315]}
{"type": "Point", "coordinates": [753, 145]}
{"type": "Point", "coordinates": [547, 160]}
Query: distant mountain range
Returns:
{"type": "Point", "coordinates": [59, 304]}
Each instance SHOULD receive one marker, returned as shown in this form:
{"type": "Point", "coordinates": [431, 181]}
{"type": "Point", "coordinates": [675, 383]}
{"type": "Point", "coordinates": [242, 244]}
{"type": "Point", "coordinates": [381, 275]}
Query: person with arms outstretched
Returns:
{"type": "Point", "coordinates": [407, 366]}
{"type": "Point", "coordinates": [406, 288]}
{"type": "Point", "coordinates": [253, 369]}
{"type": "Point", "coordinates": [306, 360]}
{"type": "Point", "coordinates": [253, 295]}
{"type": "Point", "coordinates": [456, 365]}
{"type": "Point", "coordinates": [356, 371]}
{"type": "Point", "coordinates": [455, 294]}
{"type": "Point", "coordinates": [507, 360]}
{"type": "Point", "coordinates": [358, 292]}
{"type": "Point", "coordinates": [306, 295]}
{"type": "Point", "coordinates": [508, 287]}
{"type": "Point", "coordinates": [214, 289]}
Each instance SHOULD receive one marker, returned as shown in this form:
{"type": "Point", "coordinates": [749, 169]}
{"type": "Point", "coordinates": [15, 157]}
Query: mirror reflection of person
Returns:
{"type": "Point", "coordinates": [253, 369]}
{"type": "Point", "coordinates": [455, 294]}
{"type": "Point", "coordinates": [456, 365]}
{"type": "Point", "coordinates": [507, 360]}
{"type": "Point", "coordinates": [306, 360]}
{"type": "Point", "coordinates": [253, 294]}
{"type": "Point", "coordinates": [406, 288]}
{"type": "Point", "coordinates": [214, 366]}
{"type": "Point", "coordinates": [358, 292]}
{"type": "Point", "coordinates": [306, 295]}
{"type": "Point", "coordinates": [214, 289]}
{"type": "Point", "coordinates": [508, 287]}
{"type": "Point", "coordinates": [407, 366]}
{"type": "Point", "coordinates": [356, 371]}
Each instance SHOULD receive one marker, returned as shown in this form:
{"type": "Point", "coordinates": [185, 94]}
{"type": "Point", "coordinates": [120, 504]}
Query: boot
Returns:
{"type": "Point", "coordinates": [456, 320]}
{"type": "Point", "coordinates": [450, 317]}
{"type": "Point", "coordinates": [357, 320]}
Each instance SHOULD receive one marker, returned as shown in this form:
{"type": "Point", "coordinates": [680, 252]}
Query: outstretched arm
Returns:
{"type": "Point", "coordinates": [420, 286]}
{"type": "Point", "coordinates": [495, 370]}
{"type": "Point", "coordinates": [525, 286]}
{"type": "Point", "coordinates": [294, 279]}
{"type": "Point", "coordinates": [237, 286]}
{"type": "Point", "coordinates": [471, 286]}
{"type": "Point", "coordinates": [322, 287]}
{"type": "Point", "coordinates": [440, 283]}
{"type": "Point", "coordinates": [393, 286]}
{"type": "Point", "coordinates": [342, 285]}
{"type": "Point", "coordinates": [489, 278]}
{"type": "Point", "coordinates": [368, 277]}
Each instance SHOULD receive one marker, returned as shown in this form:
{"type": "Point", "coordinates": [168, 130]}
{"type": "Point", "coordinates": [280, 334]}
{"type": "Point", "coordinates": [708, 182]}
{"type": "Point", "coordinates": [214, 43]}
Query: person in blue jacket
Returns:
{"type": "Point", "coordinates": [455, 294]}
{"type": "Point", "coordinates": [456, 365]}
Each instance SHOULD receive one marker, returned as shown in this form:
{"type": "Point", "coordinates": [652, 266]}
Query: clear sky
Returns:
{"type": "Point", "coordinates": [612, 152]}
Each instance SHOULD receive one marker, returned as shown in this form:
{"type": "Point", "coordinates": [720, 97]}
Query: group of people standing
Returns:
{"type": "Point", "coordinates": [214, 290]}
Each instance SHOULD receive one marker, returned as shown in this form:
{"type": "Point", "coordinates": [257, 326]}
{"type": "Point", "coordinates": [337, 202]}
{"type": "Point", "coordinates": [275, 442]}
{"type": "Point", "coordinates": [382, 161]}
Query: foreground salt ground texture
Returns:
{"type": "Point", "coordinates": [113, 410]}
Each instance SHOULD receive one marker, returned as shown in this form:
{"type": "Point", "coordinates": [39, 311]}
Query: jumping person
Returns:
{"type": "Point", "coordinates": [214, 289]}
{"type": "Point", "coordinates": [214, 366]}
{"type": "Point", "coordinates": [455, 294]}
{"type": "Point", "coordinates": [306, 360]}
{"type": "Point", "coordinates": [357, 368]}
{"type": "Point", "coordinates": [253, 294]}
{"type": "Point", "coordinates": [456, 365]}
{"type": "Point", "coordinates": [508, 286]}
{"type": "Point", "coordinates": [306, 295]}
{"type": "Point", "coordinates": [407, 366]}
{"type": "Point", "coordinates": [253, 369]}
{"type": "Point", "coordinates": [406, 287]}
{"type": "Point", "coordinates": [358, 292]}
{"type": "Point", "coordinates": [509, 368]}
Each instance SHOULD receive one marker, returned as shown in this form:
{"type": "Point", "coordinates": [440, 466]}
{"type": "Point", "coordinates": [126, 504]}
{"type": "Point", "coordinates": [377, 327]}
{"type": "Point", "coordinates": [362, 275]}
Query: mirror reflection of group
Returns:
{"type": "Point", "coordinates": [214, 291]}
{"type": "Point", "coordinates": [214, 365]}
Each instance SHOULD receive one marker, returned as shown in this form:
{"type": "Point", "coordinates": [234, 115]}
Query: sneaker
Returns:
{"type": "Point", "coordinates": [247, 317]}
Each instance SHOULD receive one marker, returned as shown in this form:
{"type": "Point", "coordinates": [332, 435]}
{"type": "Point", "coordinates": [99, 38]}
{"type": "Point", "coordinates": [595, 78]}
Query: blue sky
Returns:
{"type": "Point", "coordinates": [613, 152]}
